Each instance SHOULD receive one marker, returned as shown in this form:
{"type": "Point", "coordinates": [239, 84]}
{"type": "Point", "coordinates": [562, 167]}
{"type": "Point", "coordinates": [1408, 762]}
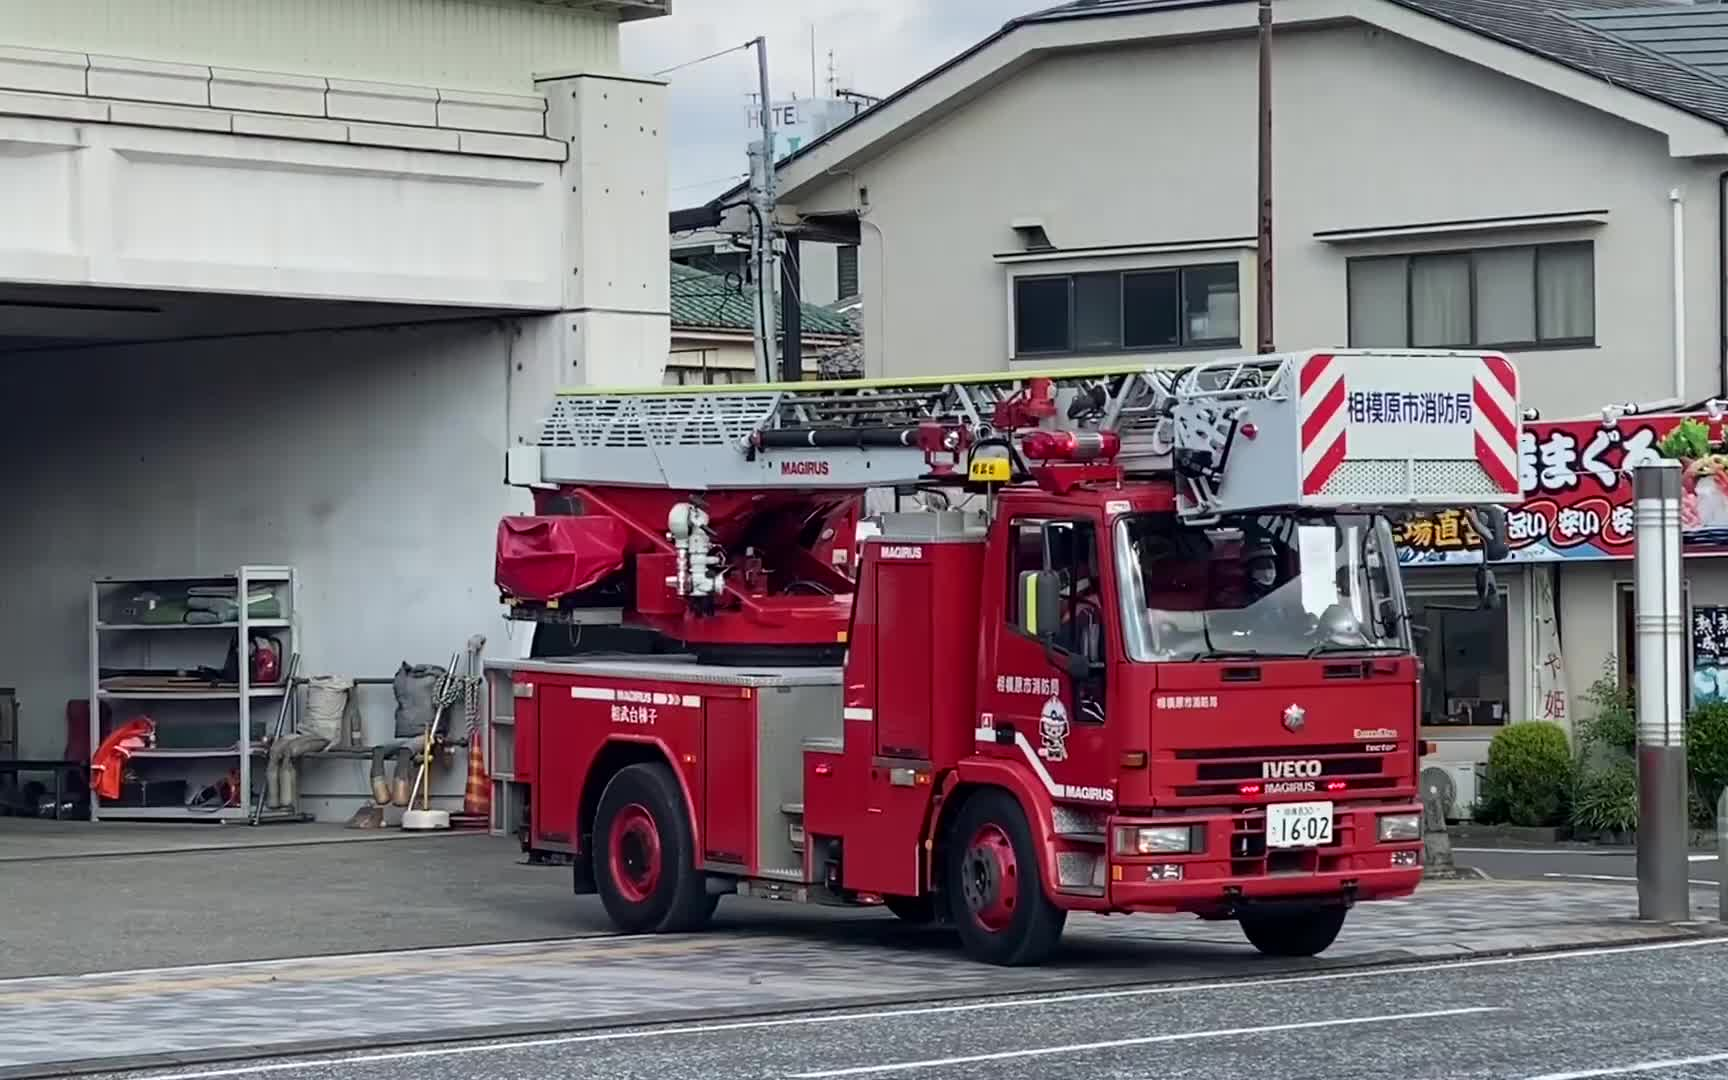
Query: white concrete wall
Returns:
{"type": "Point", "coordinates": [1152, 145]}
{"type": "Point", "coordinates": [132, 206]}
{"type": "Point", "coordinates": [370, 460]}
{"type": "Point", "coordinates": [476, 44]}
{"type": "Point", "coordinates": [1590, 623]}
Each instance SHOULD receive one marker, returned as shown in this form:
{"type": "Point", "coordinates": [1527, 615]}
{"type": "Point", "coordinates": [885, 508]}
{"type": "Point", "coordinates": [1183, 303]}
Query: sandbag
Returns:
{"type": "Point", "coordinates": [326, 703]}
{"type": "Point", "coordinates": [414, 690]}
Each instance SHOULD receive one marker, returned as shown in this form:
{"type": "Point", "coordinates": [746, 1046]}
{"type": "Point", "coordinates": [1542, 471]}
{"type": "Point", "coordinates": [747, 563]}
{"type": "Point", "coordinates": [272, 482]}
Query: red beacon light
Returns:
{"type": "Point", "coordinates": [1071, 445]}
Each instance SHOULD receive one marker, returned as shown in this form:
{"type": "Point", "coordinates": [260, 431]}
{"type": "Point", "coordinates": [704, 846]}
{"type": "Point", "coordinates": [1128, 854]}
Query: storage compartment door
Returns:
{"type": "Point", "coordinates": [903, 659]}
{"type": "Point", "coordinates": [729, 782]}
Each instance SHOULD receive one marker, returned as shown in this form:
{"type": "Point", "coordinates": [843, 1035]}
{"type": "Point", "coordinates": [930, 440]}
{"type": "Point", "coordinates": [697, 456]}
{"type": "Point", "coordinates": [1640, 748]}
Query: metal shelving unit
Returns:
{"type": "Point", "coordinates": [189, 645]}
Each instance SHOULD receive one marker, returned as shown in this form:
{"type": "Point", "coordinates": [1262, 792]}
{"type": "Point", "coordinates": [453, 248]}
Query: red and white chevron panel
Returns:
{"type": "Point", "coordinates": [1326, 411]}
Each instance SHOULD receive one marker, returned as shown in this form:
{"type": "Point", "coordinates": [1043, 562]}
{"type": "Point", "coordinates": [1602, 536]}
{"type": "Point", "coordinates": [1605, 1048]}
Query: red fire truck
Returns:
{"type": "Point", "coordinates": [1130, 639]}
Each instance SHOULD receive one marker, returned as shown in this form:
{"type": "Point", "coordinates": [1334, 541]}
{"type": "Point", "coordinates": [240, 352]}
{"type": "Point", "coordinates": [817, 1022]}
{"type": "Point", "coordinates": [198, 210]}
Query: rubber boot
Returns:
{"type": "Point", "coordinates": [273, 783]}
{"type": "Point", "coordinates": [404, 787]}
{"type": "Point", "coordinates": [380, 790]}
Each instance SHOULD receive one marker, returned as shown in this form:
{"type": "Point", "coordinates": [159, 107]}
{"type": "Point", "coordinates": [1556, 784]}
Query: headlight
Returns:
{"type": "Point", "coordinates": [1400, 827]}
{"type": "Point", "coordinates": [1159, 840]}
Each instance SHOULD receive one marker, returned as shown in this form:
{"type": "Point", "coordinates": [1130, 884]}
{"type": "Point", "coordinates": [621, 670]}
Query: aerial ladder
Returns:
{"type": "Point", "coordinates": [723, 519]}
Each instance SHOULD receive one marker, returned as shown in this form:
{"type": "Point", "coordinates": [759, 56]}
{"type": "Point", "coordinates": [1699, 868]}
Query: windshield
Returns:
{"type": "Point", "coordinates": [1260, 585]}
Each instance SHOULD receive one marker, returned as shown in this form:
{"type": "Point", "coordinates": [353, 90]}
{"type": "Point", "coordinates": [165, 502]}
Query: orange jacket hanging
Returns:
{"type": "Point", "coordinates": [108, 764]}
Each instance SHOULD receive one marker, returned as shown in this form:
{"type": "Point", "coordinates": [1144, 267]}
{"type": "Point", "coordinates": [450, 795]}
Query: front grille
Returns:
{"type": "Point", "coordinates": [1285, 751]}
{"type": "Point", "coordinates": [1251, 770]}
{"type": "Point", "coordinates": [1233, 789]}
{"type": "Point", "coordinates": [1250, 857]}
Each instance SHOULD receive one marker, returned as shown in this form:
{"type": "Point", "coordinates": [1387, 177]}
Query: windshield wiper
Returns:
{"type": "Point", "coordinates": [1334, 650]}
{"type": "Point", "coordinates": [1243, 654]}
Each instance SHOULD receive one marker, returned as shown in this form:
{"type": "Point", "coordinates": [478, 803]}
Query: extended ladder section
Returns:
{"type": "Point", "coordinates": [1330, 429]}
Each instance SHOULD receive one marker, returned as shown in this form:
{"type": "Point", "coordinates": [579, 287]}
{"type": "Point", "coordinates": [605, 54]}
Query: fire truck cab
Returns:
{"type": "Point", "coordinates": [1152, 656]}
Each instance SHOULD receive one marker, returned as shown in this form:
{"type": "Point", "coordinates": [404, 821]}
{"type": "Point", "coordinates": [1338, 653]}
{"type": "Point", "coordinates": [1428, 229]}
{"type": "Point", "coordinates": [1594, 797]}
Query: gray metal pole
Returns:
{"type": "Point", "coordinates": [1662, 868]}
{"type": "Point", "coordinates": [763, 198]}
{"type": "Point", "coordinates": [1722, 857]}
{"type": "Point", "coordinates": [791, 313]}
{"type": "Point", "coordinates": [1263, 280]}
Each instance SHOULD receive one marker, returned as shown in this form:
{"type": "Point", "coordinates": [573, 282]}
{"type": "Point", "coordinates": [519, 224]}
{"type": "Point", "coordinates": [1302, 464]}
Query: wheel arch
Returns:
{"type": "Point", "coordinates": [615, 756]}
{"type": "Point", "coordinates": [973, 778]}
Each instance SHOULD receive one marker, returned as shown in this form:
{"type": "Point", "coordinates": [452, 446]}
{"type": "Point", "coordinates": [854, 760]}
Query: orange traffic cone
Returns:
{"type": "Point", "coordinates": [477, 797]}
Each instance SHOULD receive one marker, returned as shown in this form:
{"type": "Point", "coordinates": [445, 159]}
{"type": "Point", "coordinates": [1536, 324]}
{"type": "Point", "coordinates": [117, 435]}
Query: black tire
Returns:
{"type": "Point", "coordinates": [916, 910]}
{"type": "Point", "coordinates": [999, 909]}
{"type": "Point", "coordinates": [1294, 933]}
{"type": "Point", "coordinates": [645, 856]}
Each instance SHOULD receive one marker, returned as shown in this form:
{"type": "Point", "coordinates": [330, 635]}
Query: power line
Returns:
{"type": "Point", "coordinates": [704, 59]}
{"type": "Point", "coordinates": [732, 177]}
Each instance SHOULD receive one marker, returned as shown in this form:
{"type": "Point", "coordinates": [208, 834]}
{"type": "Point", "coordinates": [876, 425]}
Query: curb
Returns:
{"type": "Point", "coordinates": [1389, 959]}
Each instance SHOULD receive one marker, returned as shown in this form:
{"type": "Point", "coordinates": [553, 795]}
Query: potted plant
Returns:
{"type": "Point", "coordinates": [1704, 476]}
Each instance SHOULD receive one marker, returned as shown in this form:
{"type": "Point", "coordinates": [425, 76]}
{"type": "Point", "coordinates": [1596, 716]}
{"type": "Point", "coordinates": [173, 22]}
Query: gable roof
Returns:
{"type": "Point", "coordinates": [1592, 36]}
{"type": "Point", "coordinates": [705, 301]}
{"type": "Point", "coordinates": [1623, 43]}
{"type": "Point", "coordinates": [1695, 35]}
{"type": "Point", "coordinates": [1586, 35]}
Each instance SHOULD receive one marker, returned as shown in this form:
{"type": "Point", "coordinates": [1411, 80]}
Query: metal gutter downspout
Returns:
{"type": "Point", "coordinates": [1722, 285]}
{"type": "Point", "coordinates": [1677, 198]}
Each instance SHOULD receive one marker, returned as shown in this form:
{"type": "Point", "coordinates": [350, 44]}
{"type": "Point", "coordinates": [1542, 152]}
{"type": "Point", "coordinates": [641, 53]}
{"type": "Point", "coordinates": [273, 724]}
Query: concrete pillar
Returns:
{"type": "Point", "coordinates": [614, 328]}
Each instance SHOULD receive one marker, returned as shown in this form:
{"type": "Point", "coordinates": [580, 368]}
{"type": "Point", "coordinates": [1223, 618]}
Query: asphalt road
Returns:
{"type": "Point", "coordinates": [1653, 1010]}
{"type": "Point", "coordinates": [1577, 864]}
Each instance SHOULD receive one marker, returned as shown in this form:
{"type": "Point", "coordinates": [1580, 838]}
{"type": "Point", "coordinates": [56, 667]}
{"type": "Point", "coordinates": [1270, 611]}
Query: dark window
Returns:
{"type": "Point", "coordinates": [1507, 297]}
{"type": "Point", "coordinates": [1465, 663]}
{"type": "Point", "coordinates": [1070, 548]}
{"type": "Point", "coordinates": [1042, 318]}
{"type": "Point", "coordinates": [1127, 311]}
{"type": "Point", "coordinates": [846, 271]}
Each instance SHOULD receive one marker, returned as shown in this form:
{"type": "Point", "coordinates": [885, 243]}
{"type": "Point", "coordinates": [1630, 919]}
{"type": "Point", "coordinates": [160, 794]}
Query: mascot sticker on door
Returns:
{"type": "Point", "coordinates": [1053, 730]}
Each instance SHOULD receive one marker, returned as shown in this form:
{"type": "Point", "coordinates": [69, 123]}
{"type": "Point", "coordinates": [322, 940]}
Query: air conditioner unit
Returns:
{"type": "Point", "coordinates": [1454, 783]}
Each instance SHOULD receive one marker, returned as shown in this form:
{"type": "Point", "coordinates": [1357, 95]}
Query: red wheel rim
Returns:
{"type": "Point", "coordinates": [990, 878]}
{"type": "Point", "coordinates": [634, 851]}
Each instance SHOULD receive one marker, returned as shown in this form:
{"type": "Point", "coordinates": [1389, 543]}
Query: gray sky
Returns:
{"type": "Point", "coordinates": [878, 47]}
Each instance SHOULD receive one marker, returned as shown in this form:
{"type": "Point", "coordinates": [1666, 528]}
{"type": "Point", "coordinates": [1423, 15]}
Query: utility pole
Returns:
{"type": "Point", "coordinates": [1263, 279]}
{"type": "Point", "coordinates": [762, 199]}
{"type": "Point", "coordinates": [791, 312]}
{"type": "Point", "coordinates": [1663, 893]}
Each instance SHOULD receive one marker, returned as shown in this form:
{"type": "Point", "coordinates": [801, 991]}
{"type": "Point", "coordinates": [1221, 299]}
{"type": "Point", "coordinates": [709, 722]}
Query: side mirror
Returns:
{"type": "Point", "coordinates": [1490, 522]}
{"type": "Point", "coordinates": [1487, 590]}
{"type": "Point", "coordinates": [1040, 603]}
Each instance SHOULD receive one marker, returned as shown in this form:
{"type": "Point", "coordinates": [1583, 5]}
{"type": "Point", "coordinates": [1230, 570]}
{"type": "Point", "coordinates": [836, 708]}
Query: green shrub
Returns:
{"type": "Point", "coordinates": [1707, 756]}
{"type": "Point", "coordinates": [1613, 721]}
{"type": "Point", "coordinates": [1529, 776]}
{"type": "Point", "coordinates": [1605, 798]}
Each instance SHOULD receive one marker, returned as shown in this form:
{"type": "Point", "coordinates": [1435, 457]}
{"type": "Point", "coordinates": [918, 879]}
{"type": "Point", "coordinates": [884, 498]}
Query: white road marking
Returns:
{"type": "Point", "coordinates": [286, 961]}
{"type": "Point", "coordinates": [1541, 851]}
{"type": "Point", "coordinates": [1622, 852]}
{"type": "Point", "coordinates": [1144, 1040]}
{"type": "Point", "coordinates": [1614, 877]}
{"type": "Point", "coordinates": [1635, 1067]}
{"type": "Point", "coordinates": [1035, 1001]}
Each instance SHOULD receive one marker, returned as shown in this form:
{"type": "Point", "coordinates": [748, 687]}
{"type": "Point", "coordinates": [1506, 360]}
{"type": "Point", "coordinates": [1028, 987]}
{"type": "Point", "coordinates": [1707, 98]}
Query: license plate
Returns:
{"type": "Point", "coordinates": [1298, 824]}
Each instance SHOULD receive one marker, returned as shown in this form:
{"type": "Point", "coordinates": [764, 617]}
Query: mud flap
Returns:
{"type": "Point", "coordinates": [582, 874]}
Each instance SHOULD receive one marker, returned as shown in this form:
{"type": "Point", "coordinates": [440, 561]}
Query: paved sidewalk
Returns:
{"type": "Point", "coordinates": [258, 1007]}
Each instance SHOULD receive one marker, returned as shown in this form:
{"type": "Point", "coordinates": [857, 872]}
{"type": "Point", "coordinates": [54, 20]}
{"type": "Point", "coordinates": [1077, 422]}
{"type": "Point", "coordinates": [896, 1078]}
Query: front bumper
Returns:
{"type": "Point", "coordinates": [1235, 869]}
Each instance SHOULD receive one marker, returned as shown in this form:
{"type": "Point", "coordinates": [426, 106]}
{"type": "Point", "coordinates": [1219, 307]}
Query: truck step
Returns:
{"type": "Point", "coordinates": [795, 834]}
{"type": "Point", "coordinates": [792, 809]}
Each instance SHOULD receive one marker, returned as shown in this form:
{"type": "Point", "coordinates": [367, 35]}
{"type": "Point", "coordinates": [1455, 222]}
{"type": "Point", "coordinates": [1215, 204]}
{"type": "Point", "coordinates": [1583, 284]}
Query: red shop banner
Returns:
{"type": "Point", "coordinates": [1577, 483]}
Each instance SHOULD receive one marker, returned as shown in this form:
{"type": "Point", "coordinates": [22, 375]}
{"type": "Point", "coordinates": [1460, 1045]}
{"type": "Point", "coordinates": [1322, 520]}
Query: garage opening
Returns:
{"type": "Point", "coordinates": [158, 451]}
